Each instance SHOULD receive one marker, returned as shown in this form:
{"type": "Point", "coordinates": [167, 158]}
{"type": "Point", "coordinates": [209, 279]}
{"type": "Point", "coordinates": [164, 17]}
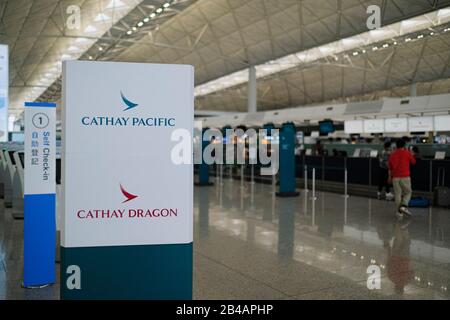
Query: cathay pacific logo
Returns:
{"type": "Point", "coordinates": [127, 195]}
{"type": "Point", "coordinates": [130, 105]}
{"type": "Point", "coordinates": [121, 121]}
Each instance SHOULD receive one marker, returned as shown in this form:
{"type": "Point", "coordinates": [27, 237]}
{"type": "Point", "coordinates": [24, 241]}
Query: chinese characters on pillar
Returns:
{"type": "Point", "coordinates": [40, 152]}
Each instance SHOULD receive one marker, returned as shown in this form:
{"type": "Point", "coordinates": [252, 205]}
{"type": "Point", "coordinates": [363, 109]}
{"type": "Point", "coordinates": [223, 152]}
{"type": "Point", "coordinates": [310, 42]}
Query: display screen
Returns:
{"type": "Point", "coordinates": [326, 127]}
{"type": "Point", "coordinates": [17, 136]}
{"type": "Point", "coordinates": [421, 124]}
{"type": "Point", "coordinates": [442, 123]}
{"type": "Point", "coordinates": [396, 125]}
{"type": "Point", "coordinates": [354, 126]}
{"type": "Point", "coordinates": [374, 126]}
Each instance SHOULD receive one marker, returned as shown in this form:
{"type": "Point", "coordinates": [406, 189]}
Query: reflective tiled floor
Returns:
{"type": "Point", "coordinates": [250, 244]}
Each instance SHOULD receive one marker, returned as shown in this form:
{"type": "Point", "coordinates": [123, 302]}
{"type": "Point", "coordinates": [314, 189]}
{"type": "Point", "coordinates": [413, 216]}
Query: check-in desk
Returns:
{"type": "Point", "coordinates": [8, 176]}
{"type": "Point", "coordinates": [363, 174]}
{"type": "Point", "coordinates": [18, 185]}
{"type": "Point", "coordinates": [2, 170]}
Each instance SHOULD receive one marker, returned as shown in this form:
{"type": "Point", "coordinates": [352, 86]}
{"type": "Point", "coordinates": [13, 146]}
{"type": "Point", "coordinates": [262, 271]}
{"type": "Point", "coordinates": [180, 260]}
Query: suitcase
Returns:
{"type": "Point", "coordinates": [419, 202]}
{"type": "Point", "coordinates": [441, 193]}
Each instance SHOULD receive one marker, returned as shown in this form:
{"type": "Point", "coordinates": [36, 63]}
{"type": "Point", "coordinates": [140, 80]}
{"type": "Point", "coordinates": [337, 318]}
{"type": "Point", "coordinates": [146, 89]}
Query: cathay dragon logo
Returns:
{"type": "Point", "coordinates": [130, 105]}
{"type": "Point", "coordinates": [127, 195]}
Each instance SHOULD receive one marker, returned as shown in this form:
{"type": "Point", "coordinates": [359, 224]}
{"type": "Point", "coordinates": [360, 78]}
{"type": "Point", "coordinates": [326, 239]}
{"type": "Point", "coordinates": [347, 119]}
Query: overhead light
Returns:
{"type": "Point", "coordinates": [90, 58]}
{"type": "Point", "coordinates": [134, 28]}
{"type": "Point", "coordinates": [395, 43]}
{"type": "Point", "coordinates": [364, 51]}
{"type": "Point", "coordinates": [146, 20]}
{"type": "Point", "coordinates": [101, 17]}
{"type": "Point", "coordinates": [81, 40]}
{"type": "Point", "coordinates": [159, 10]}
{"type": "Point", "coordinates": [90, 29]}
{"type": "Point", "coordinates": [374, 48]}
{"type": "Point", "coordinates": [355, 53]}
{"type": "Point", "coordinates": [152, 15]}
{"type": "Point", "coordinates": [129, 32]}
{"type": "Point", "coordinates": [115, 4]}
{"type": "Point", "coordinates": [431, 33]}
{"type": "Point", "coordinates": [73, 49]}
{"type": "Point", "coordinates": [140, 24]}
{"type": "Point", "coordinates": [100, 49]}
{"type": "Point", "coordinates": [420, 36]}
{"type": "Point", "coordinates": [166, 5]}
{"type": "Point", "coordinates": [408, 39]}
{"type": "Point", "coordinates": [385, 45]}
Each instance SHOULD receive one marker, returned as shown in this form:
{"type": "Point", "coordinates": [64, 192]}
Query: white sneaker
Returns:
{"type": "Point", "coordinates": [405, 211]}
{"type": "Point", "coordinates": [389, 196]}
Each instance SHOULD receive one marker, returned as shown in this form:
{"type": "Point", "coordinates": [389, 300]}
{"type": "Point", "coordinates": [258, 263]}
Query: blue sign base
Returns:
{"type": "Point", "coordinates": [39, 239]}
{"type": "Point", "coordinates": [138, 272]}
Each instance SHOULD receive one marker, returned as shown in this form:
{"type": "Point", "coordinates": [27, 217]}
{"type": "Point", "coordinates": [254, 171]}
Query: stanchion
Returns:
{"type": "Point", "coordinates": [306, 179]}
{"type": "Point", "coordinates": [203, 167]}
{"type": "Point", "coordinates": [345, 210]}
{"type": "Point", "coordinates": [273, 183]}
{"type": "Point", "coordinates": [346, 183]}
{"type": "Point", "coordinates": [314, 198]}
{"type": "Point", "coordinates": [252, 174]}
{"type": "Point", "coordinates": [221, 174]}
{"type": "Point", "coordinates": [242, 176]}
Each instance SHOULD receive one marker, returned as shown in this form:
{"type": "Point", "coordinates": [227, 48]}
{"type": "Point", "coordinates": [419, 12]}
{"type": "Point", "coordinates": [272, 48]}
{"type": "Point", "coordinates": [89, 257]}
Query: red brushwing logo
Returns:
{"type": "Point", "coordinates": [127, 195]}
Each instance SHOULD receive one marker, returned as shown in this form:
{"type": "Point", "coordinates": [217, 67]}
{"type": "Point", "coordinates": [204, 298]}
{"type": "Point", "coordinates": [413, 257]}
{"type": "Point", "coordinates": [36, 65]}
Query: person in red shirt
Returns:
{"type": "Point", "coordinates": [399, 168]}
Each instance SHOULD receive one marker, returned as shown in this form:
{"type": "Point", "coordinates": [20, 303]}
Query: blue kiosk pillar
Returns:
{"type": "Point", "coordinates": [287, 178]}
{"type": "Point", "coordinates": [203, 168]}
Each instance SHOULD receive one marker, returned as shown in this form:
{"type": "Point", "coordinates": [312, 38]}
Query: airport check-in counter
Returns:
{"type": "Point", "coordinates": [2, 170]}
{"type": "Point", "coordinates": [18, 185]}
{"type": "Point", "coordinates": [363, 173]}
{"type": "Point", "coordinates": [9, 168]}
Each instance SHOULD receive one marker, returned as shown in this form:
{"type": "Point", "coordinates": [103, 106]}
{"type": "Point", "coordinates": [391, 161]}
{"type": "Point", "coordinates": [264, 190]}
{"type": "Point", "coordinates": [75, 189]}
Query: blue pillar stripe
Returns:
{"type": "Point", "coordinates": [39, 239]}
{"type": "Point", "coordinates": [40, 104]}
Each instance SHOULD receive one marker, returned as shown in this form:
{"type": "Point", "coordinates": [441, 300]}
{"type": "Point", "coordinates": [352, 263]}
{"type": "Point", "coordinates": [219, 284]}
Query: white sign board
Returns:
{"type": "Point", "coordinates": [120, 185]}
{"type": "Point", "coordinates": [440, 155]}
{"type": "Point", "coordinates": [40, 140]}
{"type": "Point", "coordinates": [374, 126]}
{"type": "Point", "coordinates": [420, 124]}
{"type": "Point", "coordinates": [394, 125]}
{"type": "Point", "coordinates": [4, 87]}
{"type": "Point", "coordinates": [442, 123]}
{"type": "Point", "coordinates": [354, 126]}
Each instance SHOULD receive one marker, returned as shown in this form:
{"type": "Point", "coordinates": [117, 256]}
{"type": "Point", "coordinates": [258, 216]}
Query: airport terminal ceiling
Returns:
{"type": "Point", "coordinates": [221, 37]}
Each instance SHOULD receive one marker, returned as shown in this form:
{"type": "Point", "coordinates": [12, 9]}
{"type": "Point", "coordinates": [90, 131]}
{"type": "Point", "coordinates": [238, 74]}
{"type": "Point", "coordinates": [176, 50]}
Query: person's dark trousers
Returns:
{"type": "Point", "coordinates": [383, 180]}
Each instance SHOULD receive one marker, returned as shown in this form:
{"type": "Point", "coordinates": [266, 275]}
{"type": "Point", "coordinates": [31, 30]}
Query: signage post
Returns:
{"type": "Point", "coordinates": [127, 224]}
{"type": "Point", "coordinates": [4, 89]}
{"type": "Point", "coordinates": [203, 168]}
{"type": "Point", "coordinates": [39, 194]}
{"type": "Point", "coordinates": [287, 161]}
